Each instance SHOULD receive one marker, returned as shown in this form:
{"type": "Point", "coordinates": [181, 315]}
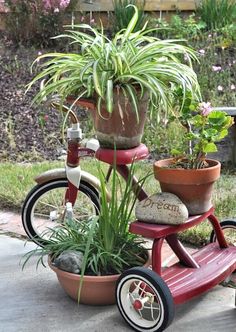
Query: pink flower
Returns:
{"type": "Point", "coordinates": [82, 19]}
{"type": "Point", "coordinates": [220, 88]}
{"type": "Point", "coordinates": [205, 108]}
{"type": "Point", "coordinates": [92, 21]}
{"type": "Point", "coordinates": [55, 5]}
{"type": "Point", "coordinates": [232, 87]}
{"type": "Point", "coordinates": [45, 117]}
{"type": "Point", "coordinates": [216, 68]}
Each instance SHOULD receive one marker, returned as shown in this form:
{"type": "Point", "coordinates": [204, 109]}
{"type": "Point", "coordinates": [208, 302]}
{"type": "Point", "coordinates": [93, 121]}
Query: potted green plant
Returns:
{"type": "Point", "coordinates": [190, 175]}
{"type": "Point", "coordinates": [106, 246]}
{"type": "Point", "coordinates": [119, 79]}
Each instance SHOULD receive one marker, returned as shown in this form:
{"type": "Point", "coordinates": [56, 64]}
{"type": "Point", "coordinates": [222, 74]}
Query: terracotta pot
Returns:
{"type": "Point", "coordinates": [192, 186]}
{"type": "Point", "coordinates": [96, 290]}
{"type": "Point", "coordinates": [120, 128]}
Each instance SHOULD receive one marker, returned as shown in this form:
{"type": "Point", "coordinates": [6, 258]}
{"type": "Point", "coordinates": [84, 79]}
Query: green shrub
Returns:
{"type": "Point", "coordinates": [34, 22]}
{"type": "Point", "coordinates": [178, 27]}
{"type": "Point", "coordinates": [217, 13]}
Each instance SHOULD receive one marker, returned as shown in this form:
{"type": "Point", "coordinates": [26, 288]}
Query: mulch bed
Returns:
{"type": "Point", "coordinates": [27, 133]}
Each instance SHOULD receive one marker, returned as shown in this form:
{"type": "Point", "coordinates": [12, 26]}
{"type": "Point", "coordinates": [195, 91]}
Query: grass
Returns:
{"type": "Point", "coordinates": [17, 180]}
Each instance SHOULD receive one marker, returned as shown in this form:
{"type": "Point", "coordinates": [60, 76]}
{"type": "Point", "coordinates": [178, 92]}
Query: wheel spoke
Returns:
{"type": "Point", "coordinates": [132, 297]}
{"type": "Point", "coordinates": [48, 204]}
{"type": "Point", "coordinates": [42, 215]}
{"type": "Point", "coordinates": [151, 307]}
{"type": "Point", "coordinates": [137, 288]}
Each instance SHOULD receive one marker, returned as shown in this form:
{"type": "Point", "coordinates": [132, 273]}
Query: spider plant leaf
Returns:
{"type": "Point", "coordinates": [96, 80]}
{"type": "Point", "coordinates": [132, 92]}
{"type": "Point", "coordinates": [109, 96]}
{"type": "Point", "coordinates": [132, 22]}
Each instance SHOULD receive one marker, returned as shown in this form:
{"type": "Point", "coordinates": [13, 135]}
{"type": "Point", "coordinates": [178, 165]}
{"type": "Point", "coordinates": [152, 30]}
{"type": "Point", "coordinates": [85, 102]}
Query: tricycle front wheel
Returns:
{"type": "Point", "coordinates": [229, 230]}
{"type": "Point", "coordinates": [144, 300]}
{"type": "Point", "coordinates": [44, 208]}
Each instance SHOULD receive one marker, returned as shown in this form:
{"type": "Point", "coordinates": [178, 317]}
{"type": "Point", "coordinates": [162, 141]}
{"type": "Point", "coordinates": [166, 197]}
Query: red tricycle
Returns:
{"type": "Point", "coordinates": [145, 296]}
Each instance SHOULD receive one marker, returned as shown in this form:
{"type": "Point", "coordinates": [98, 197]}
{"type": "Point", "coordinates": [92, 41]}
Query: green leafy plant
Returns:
{"type": "Point", "coordinates": [204, 127]}
{"type": "Point", "coordinates": [186, 28]}
{"type": "Point", "coordinates": [129, 63]}
{"type": "Point", "coordinates": [217, 13]}
{"type": "Point", "coordinates": [107, 245]}
{"type": "Point", "coordinates": [123, 13]}
{"type": "Point", "coordinates": [178, 27]}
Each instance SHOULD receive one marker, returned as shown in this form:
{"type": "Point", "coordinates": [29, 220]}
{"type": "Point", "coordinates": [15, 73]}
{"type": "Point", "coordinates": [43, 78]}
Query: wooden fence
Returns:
{"type": "Point", "coordinates": [104, 6]}
{"type": "Point", "coordinates": [151, 5]}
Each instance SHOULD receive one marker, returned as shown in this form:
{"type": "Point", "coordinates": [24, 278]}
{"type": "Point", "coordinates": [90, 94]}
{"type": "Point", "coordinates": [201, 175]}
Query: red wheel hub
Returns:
{"type": "Point", "coordinates": [137, 305]}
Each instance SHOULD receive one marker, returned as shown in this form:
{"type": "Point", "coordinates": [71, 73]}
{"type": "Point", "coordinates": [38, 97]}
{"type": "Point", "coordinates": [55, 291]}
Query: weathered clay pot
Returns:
{"type": "Point", "coordinates": [121, 128]}
{"type": "Point", "coordinates": [192, 186]}
{"type": "Point", "coordinates": [96, 290]}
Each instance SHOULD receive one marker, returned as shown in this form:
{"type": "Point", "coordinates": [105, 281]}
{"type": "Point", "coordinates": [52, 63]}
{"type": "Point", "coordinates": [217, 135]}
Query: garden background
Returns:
{"type": "Point", "coordinates": [31, 134]}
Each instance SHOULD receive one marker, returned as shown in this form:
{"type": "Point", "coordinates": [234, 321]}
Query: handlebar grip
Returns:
{"type": "Point", "coordinates": [88, 103]}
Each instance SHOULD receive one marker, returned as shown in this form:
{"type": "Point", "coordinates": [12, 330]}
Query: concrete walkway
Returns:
{"type": "Point", "coordinates": [33, 301]}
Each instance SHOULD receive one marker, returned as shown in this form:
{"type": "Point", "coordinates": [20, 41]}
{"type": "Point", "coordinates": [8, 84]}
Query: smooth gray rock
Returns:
{"type": "Point", "coordinates": [162, 208]}
{"type": "Point", "coordinates": [70, 261]}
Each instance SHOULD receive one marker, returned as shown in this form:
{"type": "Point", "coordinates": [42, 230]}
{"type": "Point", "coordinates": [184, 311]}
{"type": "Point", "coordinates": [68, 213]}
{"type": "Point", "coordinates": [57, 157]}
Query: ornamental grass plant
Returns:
{"type": "Point", "coordinates": [123, 13]}
{"type": "Point", "coordinates": [105, 241]}
{"type": "Point", "coordinates": [217, 13]}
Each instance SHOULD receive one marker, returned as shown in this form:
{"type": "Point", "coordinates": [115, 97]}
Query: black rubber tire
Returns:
{"type": "Point", "coordinates": [32, 197]}
{"type": "Point", "coordinates": [229, 223]}
{"type": "Point", "coordinates": [161, 290]}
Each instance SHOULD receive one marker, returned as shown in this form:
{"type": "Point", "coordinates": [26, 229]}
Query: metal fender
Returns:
{"type": "Point", "coordinates": [60, 173]}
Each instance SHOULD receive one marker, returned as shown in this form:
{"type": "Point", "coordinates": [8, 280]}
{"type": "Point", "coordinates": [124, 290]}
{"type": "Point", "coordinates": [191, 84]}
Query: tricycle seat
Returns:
{"type": "Point", "coordinates": [122, 157]}
{"type": "Point", "coordinates": [155, 231]}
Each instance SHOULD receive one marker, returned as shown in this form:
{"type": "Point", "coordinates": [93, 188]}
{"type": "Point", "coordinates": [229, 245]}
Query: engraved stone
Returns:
{"type": "Point", "coordinates": [162, 208]}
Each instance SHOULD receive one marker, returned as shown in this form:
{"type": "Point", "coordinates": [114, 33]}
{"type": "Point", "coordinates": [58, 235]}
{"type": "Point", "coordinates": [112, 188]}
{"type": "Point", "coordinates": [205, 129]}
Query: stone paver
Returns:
{"type": "Point", "coordinates": [10, 222]}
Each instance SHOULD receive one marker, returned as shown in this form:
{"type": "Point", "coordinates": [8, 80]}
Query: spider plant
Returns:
{"type": "Point", "coordinates": [127, 63]}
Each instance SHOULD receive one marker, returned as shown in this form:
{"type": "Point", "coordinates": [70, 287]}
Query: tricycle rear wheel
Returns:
{"type": "Point", "coordinates": [229, 229]}
{"type": "Point", "coordinates": [144, 300]}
